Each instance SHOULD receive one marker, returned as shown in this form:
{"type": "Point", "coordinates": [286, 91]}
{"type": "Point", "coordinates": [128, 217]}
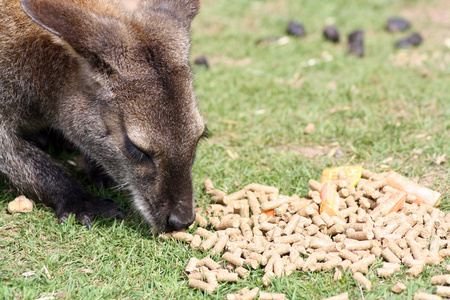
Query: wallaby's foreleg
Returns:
{"type": "Point", "coordinates": [33, 172]}
{"type": "Point", "coordinates": [97, 174]}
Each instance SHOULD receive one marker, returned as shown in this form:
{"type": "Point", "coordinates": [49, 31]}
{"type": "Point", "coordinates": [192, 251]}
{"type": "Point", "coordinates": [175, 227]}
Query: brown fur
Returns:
{"type": "Point", "coordinates": [117, 83]}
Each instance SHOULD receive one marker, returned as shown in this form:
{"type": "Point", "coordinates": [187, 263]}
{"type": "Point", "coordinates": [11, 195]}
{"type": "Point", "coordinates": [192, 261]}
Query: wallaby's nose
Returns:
{"type": "Point", "coordinates": [177, 224]}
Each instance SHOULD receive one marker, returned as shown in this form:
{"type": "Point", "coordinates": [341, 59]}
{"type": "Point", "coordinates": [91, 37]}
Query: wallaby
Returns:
{"type": "Point", "coordinates": [118, 85]}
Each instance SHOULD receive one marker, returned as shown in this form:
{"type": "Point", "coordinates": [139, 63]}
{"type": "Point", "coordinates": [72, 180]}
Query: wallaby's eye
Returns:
{"type": "Point", "coordinates": [136, 152]}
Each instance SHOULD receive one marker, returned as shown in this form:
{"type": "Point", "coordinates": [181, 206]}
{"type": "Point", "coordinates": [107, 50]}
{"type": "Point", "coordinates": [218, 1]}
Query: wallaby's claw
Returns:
{"type": "Point", "coordinates": [120, 215]}
{"type": "Point", "coordinates": [86, 221]}
{"type": "Point", "coordinates": [105, 207]}
{"type": "Point", "coordinates": [96, 206]}
{"type": "Point", "coordinates": [62, 219]}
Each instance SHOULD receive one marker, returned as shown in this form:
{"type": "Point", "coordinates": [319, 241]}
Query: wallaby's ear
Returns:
{"type": "Point", "coordinates": [88, 34]}
{"type": "Point", "coordinates": [182, 10]}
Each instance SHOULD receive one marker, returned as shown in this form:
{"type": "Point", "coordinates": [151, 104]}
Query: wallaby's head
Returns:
{"type": "Point", "coordinates": [131, 106]}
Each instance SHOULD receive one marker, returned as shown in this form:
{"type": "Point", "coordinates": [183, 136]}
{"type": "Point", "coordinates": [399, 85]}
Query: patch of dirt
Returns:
{"type": "Point", "coordinates": [431, 19]}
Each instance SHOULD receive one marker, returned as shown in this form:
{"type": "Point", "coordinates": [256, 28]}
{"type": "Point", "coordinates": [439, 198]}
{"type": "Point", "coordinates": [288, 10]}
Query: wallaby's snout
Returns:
{"type": "Point", "coordinates": [179, 221]}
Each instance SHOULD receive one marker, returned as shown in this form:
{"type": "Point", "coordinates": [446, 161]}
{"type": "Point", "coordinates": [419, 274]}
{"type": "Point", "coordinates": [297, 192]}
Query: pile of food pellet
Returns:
{"type": "Point", "coordinates": [336, 227]}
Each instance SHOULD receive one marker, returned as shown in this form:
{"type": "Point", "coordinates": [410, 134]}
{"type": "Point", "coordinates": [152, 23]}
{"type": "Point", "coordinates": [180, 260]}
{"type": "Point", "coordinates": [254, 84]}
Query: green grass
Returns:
{"type": "Point", "coordinates": [257, 100]}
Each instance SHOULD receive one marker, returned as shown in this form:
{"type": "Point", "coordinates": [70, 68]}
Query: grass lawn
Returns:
{"type": "Point", "coordinates": [389, 110]}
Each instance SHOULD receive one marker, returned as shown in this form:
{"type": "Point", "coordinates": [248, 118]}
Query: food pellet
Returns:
{"type": "Point", "coordinates": [443, 290]}
{"type": "Point", "coordinates": [343, 296]}
{"type": "Point", "coordinates": [201, 285]}
{"type": "Point", "coordinates": [398, 288]}
{"type": "Point", "coordinates": [20, 204]}
{"type": "Point", "coordinates": [259, 228]}
{"type": "Point", "coordinates": [362, 280]}
{"type": "Point", "coordinates": [233, 259]}
{"type": "Point", "coordinates": [209, 242]}
{"type": "Point", "coordinates": [271, 296]}
{"type": "Point", "coordinates": [440, 279]}
{"type": "Point", "coordinates": [426, 296]}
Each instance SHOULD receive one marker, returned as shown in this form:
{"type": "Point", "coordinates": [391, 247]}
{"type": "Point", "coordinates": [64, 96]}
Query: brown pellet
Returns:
{"type": "Point", "coordinates": [192, 264]}
{"type": "Point", "coordinates": [237, 295]}
{"type": "Point", "coordinates": [318, 221]}
{"type": "Point", "coordinates": [445, 252]}
{"type": "Point", "coordinates": [390, 256]}
{"type": "Point", "coordinates": [346, 254]}
{"type": "Point", "coordinates": [201, 221]}
{"type": "Point", "coordinates": [426, 296]}
{"type": "Point", "coordinates": [415, 270]}
{"type": "Point", "coordinates": [202, 285]}
{"type": "Point", "coordinates": [383, 272]}
{"type": "Point", "coordinates": [350, 201]}
{"type": "Point", "coordinates": [337, 274]}
{"type": "Point", "coordinates": [220, 244]}
{"type": "Point", "coordinates": [443, 290]}
{"type": "Point", "coordinates": [416, 251]}
{"type": "Point", "coordinates": [343, 296]}
{"type": "Point", "coordinates": [360, 235]}
{"type": "Point", "coordinates": [228, 221]}
{"type": "Point", "coordinates": [242, 272]}
{"type": "Point", "coordinates": [271, 296]}
{"type": "Point", "coordinates": [253, 263]}
{"type": "Point", "coordinates": [278, 267]}
{"type": "Point", "coordinates": [402, 230]}
{"type": "Point", "coordinates": [314, 185]}
{"type": "Point", "coordinates": [210, 278]}
{"type": "Point", "coordinates": [233, 259]}
{"type": "Point", "coordinates": [366, 174]}
{"type": "Point", "coordinates": [260, 187]}
{"type": "Point", "coordinates": [345, 264]}
{"type": "Point", "coordinates": [197, 274]}
{"type": "Point", "coordinates": [267, 278]}
{"type": "Point", "coordinates": [399, 252]}
{"type": "Point", "coordinates": [196, 241]}
{"type": "Point", "coordinates": [398, 288]}
{"type": "Point", "coordinates": [290, 227]}
{"type": "Point", "coordinates": [363, 264]}
{"type": "Point", "coordinates": [209, 242]}
{"type": "Point", "coordinates": [274, 204]}
{"type": "Point", "coordinates": [225, 276]}
{"type": "Point", "coordinates": [209, 263]}
{"type": "Point", "coordinates": [250, 295]}
{"type": "Point", "coordinates": [348, 211]}
{"type": "Point", "coordinates": [253, 203]}
{"type": "Point", "coordinates": [351, 244]}
{"type": "Point", "coordinates": [331, 263]}
{"type": "Point", "coordinates": [182, 236]}
{"type": "Point", "coordinates": [287, 239]}
{"type": "Point", "coordinates": [336, 229]}
{"type": "Point", "coordinates": [312, 229]}
{"type": "Point", "coordinates": [209, 186]}
{"type": "Point", "coordinates": [440, 279]}
{"type": "Point", "coordinates": [362, 280]}
{"type": "Point", "coordinates": [376, 251]}
{"type": "Point", "coordinates": [234, 196]}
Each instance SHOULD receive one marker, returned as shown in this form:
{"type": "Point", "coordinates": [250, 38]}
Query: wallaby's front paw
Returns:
{"type": "Point", "coordinates": [97, 206]}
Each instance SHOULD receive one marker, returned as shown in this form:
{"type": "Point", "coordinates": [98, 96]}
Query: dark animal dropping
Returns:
{"type": "Point", "coordinates": [296, 29]}
{"type": "Point", "coordinates": [397, 24]}
{"type": "Point", "coordinates": [331, 33]}
{"type": "Point", "coordinates": [356, 43]}
{"type": "Point", "coordinates": [413, 40]}
{"type": "Point", "coordinates": [201, 61]}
